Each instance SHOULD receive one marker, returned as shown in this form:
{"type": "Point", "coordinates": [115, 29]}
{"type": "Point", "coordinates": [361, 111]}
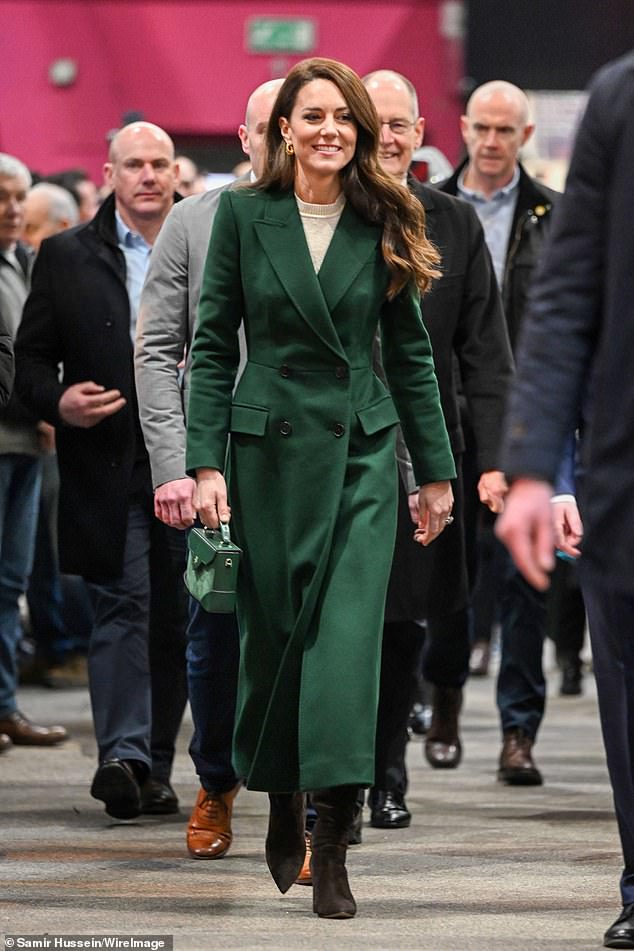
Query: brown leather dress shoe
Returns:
{"type": "Point", "coordinates": [209, 832]}
{"type": "Point", "coordinates": [5, 742]}
{"type": "Point", "coordinates": [516, 761]}
{"type": "Point", "coordinates": [443, 749]}
{"type": "Point", "coordinates": [24, 733]}
{"type": "Point", "coordinates": [305, 877]}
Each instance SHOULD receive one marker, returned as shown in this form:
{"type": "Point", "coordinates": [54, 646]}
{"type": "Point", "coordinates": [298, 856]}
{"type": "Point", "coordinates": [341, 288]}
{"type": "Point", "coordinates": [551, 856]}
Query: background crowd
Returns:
{"type": "Point", "coordinates": [95, 494]}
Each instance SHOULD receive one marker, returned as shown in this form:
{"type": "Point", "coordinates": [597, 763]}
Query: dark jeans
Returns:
{"type": "Point", "coordinates": [611, 623]}
{"type": "Point", "coordinates": [136, 658]}
{"type": "Point", "coordinates": [491, 569]}
{"type": "Point", "coordinates": [521, 687]}
{"type": "Point", "coordinates": [213, 651]}
{"type": "Point", "coordinates": [59, 605]}
{"type": "Point", "coordinates": [19, 493]}
{"type": "Point", "coordinates": [566, 617]}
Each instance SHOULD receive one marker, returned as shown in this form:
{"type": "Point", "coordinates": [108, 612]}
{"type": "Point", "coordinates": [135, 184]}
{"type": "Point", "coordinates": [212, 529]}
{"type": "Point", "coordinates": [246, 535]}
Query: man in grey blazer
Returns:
{"type": "Point", "coordinates": [165, 330]}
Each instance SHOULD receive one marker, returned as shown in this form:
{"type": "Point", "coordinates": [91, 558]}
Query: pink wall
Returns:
{"type": "Point", "coordinates": [183, 64]}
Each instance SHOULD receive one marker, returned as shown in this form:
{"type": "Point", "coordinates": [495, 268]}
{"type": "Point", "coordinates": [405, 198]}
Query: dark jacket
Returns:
{"type": "Point", "coordinates": [531, 223]}
{"type": "Point", "coordinates": [465, 321]}
{"type": "Point", "coordinates": [78, 315]}
{"type": "Point", "coordinates": [464, 318]}
{"type": "Point", "coordinates": [6, 363]}
{"type": "Point", "coordinates": [580, 333]}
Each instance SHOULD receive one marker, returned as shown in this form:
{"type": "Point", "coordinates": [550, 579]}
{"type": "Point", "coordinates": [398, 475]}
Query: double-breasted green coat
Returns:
{"type": "Point", "coordinates": [311, 474]}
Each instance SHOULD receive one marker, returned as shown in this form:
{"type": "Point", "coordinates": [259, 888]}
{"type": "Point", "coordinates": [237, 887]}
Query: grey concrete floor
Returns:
{"type": "Point", "coordinates": [482, 866]}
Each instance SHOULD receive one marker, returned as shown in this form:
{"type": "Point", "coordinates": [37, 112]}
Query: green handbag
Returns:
{"type": "Point", "coordinates": [212, 569]}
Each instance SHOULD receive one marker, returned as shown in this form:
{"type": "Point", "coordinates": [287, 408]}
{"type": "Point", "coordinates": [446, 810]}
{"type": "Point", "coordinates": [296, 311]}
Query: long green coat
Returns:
{"type": "Point", "coordinates": [312, 475]}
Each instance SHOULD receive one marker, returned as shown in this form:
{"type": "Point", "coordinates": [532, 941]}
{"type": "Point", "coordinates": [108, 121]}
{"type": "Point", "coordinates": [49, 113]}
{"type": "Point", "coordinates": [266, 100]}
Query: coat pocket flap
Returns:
{"type": "Point", "coordinates": [248, 419]}
{"type": "Point", "coordinates": [377, 415]}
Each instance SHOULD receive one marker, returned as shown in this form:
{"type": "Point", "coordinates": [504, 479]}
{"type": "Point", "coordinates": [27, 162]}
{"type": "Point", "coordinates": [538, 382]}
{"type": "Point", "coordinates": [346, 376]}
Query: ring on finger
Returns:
{"type": "Point", "coordinates": [449, 520]}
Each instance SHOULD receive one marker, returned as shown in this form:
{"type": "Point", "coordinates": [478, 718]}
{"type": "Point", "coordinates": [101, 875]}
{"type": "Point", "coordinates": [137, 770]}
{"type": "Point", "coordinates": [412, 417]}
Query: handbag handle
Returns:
{"type": "Point", "coordinates": [224, 531]}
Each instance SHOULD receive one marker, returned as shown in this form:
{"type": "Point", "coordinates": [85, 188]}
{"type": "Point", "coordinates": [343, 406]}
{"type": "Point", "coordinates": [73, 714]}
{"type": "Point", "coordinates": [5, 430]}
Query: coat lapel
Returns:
{"type": "Point", "coordinates": [352, 244]}
{"type": "Point", "coordinates": [282, 236]}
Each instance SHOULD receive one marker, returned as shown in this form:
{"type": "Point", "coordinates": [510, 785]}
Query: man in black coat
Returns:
{"type": "Point", "coordinates": [81, 313]}
{"type": "Point", "coordinates": [464, 318]}
{"type": "Point", "coordinates": [580, 338]}
{"type": "Point", "coordinates": [515, 211]}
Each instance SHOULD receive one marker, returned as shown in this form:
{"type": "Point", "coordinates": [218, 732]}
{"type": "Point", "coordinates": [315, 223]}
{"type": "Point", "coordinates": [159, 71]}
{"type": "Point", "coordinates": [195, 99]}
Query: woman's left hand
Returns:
{"type": "Point", "coordinates": [435, 502]}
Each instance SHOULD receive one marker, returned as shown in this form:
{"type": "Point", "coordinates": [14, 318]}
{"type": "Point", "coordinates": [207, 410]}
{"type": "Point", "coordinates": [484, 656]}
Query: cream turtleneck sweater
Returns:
{"type": "Point", "coordinates": [319, 223]}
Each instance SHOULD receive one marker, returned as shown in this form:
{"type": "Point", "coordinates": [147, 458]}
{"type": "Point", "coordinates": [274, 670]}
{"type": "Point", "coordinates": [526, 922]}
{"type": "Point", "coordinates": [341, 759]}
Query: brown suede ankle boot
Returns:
{"type": "Point", "coordinates": [335, 807]}
{"type": "Point", "coordinates": [285, 842]}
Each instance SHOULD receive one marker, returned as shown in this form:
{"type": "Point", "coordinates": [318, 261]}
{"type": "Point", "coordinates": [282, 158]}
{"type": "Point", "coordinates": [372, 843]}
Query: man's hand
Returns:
{"type": "Point", "coordinates": [45, 437]}
{"type": "Point", "coordinates": [526, 528]}
{"type": "Point", "coordinates": [86, 404]}
{"type": "Point", "coordinates": [435, 502]}
{"type": "Point", "coordinates": [492, 489]}
{"type": "Point", "coordinates": [211, 497]}
{"type": "Point", "coordinates": [568, 526]}
{"type": "Point", "coordinates": [175, 502]}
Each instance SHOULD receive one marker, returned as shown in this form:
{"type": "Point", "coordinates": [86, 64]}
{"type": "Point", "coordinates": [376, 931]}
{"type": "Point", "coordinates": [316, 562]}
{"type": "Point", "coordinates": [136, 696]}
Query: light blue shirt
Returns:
{"type": "Point", "coordinates": [496, 217]}
{"type": "Point", "coordinates": [137, 260]}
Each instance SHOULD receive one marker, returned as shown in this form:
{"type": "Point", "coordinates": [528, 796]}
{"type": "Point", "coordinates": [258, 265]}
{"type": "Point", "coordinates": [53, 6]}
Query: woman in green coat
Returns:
{"type": "Point", "coordinates": [313, 258]}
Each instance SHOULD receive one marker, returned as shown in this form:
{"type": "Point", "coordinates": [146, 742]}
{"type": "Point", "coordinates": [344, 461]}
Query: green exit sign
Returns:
{"type": "Point", "coordinates": [280, 35]}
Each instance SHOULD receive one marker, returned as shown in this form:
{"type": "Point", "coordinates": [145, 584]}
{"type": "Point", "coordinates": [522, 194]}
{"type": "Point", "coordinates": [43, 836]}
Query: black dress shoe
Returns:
{"type": "Point", "coordinates": [621, 933]}
{"type": "Point", "coordinates": [389, 811]}
{"type": "Point", "coordinates": [116, 784]}
{"type": "Point", "coordinates": [571, 677]}
{"type": "Point", "coordinates": [158, 798]}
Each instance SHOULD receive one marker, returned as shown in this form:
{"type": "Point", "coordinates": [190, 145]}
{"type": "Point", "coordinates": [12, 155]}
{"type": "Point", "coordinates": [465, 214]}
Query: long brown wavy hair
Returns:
{"type": "Point", "coordinates": [409, 255]}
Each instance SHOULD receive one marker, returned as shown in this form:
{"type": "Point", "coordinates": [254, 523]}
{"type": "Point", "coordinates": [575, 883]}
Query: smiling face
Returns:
{"type": "Point", "coordinates": [401, 128]}
{"type": "Point", "coordinates": [322, 131]}
{"type": "Point", "coordinates": [142, 173]}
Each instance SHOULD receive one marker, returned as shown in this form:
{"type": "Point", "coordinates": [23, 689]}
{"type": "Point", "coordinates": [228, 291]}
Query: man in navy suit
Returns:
{"type": "Point", "coordinates": [584, 301]}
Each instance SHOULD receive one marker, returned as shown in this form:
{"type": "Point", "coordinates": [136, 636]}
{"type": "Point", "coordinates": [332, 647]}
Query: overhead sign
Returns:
{"type": "Point", "coordinates": [281, 35]}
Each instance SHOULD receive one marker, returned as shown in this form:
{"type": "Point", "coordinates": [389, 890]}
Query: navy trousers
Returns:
{"type": "Point", "coordinates": [611, 623]}
{"type": "Point", "coordinates": [213, 652]}
{"type": "Point", "coordinates": [136, 659]}
{"type": "Point", "coordinates": [521, 687]}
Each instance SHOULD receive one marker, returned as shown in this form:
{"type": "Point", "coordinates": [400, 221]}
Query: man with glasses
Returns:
{"type": "Point", "coordinates": [464, 319]}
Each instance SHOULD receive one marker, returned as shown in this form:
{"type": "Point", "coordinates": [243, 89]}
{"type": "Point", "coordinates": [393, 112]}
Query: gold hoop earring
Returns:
{"type": "Point", "coordinates": [289, 149]}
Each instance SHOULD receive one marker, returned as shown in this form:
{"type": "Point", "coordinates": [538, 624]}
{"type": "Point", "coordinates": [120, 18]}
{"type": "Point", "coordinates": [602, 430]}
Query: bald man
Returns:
{"type": "Point", "coordinates": [166, 327]}
{"type": "Point", "coordinates": [81, 313]}
{"type": "Point", "coordinates": [48, 209]}
{"type": "Point", "coordinates": [190, 181]}
{"type": "Point", "coordinates": [515, 211]}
